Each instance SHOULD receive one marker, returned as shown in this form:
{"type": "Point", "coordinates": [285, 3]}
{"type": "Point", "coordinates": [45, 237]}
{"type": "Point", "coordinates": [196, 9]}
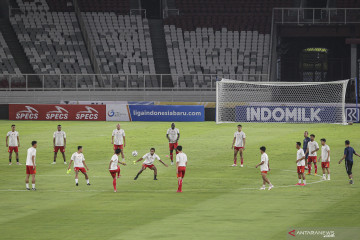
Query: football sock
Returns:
{"type": "Point", "coordinates": [114, 183]}
{"type": "Point", "coordinates": [137, 175]}
{"type": "Point", "coordinates": [181, 184]}
{"type": "Point", "coordinates": [309, 168]}
{"type": "Point", "coordinates": [299, 180]}
{"type": "Point", "coordinates": [304, 181]}
{"type": "Point", "coordinates": [87, 181]}
{"type": "Point", "coordinates": [328, 175]}
{"type": "Point", "coordinates": [235, 160]}
{"type": "Point", "coordinates": [9, 159]}
{"type": "Point", "coordinates": [17, 160]}
{"type": "Point", "coordinates": [155, 176]}
{"type": "Point", "coordinates": [27, 185]}
{"type": "Point", "coordinates": [76, 180]}
{"type": "Point", "coordinates": [324, 175]}
{"type": "Point", "coordinates": [242, 161]}
{"type": "Point", "coordinates": [171, 156]}
{"type": "Point", "coordinates": [33, 185]}
{"type": "Point", "coordinates": [315, 166]}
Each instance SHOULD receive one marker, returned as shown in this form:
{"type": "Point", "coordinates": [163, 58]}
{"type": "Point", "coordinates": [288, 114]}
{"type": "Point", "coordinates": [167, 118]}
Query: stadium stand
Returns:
{"type": "Point", "coordinates": [7, 63]}
{"type": "Point", "coordinates": [217, 37]}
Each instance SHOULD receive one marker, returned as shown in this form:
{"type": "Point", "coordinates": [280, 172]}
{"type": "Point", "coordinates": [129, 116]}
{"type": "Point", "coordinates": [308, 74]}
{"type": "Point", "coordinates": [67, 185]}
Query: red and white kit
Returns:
{"type": "Point", "coordinates": [114, 167]}
{"type": "Point", "coordinates": [78, 159]}
{"type": "Point", "coordinates": [31, 152]}
{"type": "Point", "coordinates": [59, 141]}
{"type": "Point", "coordinates": [173, 136]}
{"type": "Point", "coordinates": [301, 164]}
{"type": "Point", "coordinates": [324, 156]}
{"type": "Point", "coordinates": [239, 140]}
{"type": "Point", "coordinates": [118, 138]}
{"type": "Point", "coordinates": [149, 160]}
{"type": "Point", "coordinates": [13, 141]}
{"type": "Point", "coordinates": [181, 160]}
{"type": "Point", "coordinates": [312, 146]}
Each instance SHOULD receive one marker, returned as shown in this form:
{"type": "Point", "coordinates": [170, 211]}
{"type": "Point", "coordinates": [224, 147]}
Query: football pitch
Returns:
{"type": "Point", "coordinates": [218, 201]}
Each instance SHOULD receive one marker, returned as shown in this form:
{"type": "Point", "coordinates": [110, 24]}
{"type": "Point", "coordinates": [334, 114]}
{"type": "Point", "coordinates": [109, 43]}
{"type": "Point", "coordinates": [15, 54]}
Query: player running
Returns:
{"type": "Point", "coordinates": [305, 145]}
{"type": "Point", "coordinates": [59, 141]}
{"type": "Point", "coordinates": [300, 162]}
{"type": "Point", "coordinates": [114, 167]}
{"type": "Point", "coordinates": [348, 156]}
{"type": "Point", "coordinates": [181, 163]}
{"type": "Point", "coordinates": [13, 144]}
{"type": "Point", "coordinates": [325, 159]}
{"type": "Point", "coordinates": [173, 135]}
{"type": "Point", "coordinates": [312, 148]}
{"type": "Point", "coordinates": [79, 165]}
{"type": "Point", "coordinates": [149, 163]}
{"type": "Point", "coordinates": [239, 145]}
{"type": "Point", "coordinates": [31, 166]}
{"type": "Point", "coordinates": [264, 163]}
{"type": "Point", "coordinates": [118, 140]}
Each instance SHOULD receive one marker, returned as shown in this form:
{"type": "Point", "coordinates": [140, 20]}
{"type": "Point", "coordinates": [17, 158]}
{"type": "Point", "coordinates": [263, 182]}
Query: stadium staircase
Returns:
{"type": "Point", "coordinates": [18, 53]}
{"type": "Point", "coordinates": [161, 59]}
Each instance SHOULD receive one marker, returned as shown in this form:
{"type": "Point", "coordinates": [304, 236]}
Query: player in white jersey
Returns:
{"type": "Point", "coordinates": [265, 168]}
{"type": "Point", "coordinates": [13, 144]}
{"type": "Point", "coordinates": [173, 135]}
{"type": "Point", "coordinates": [325, 159]}
{"type": "Point", "coordinates": [79, 165]}
{"type": "Point", "coordinates": [149, 163]}
{"type": "Point", "coordinates": [114, 167]}
{"type": "Point", "coordinates": [59, 141]}
{"type": "Point", "coordinates": [31, 166]}
{"type": "Point", "coordinates": [300, 162]}
{"type": "Point", "coordinates": [312, 148]}
{"type": "Point", "coordinates": [181, 163]}
{"type": "Point", "coordinates": [118, 140]}
{"type": "Point", "coordinates": [239, 145]}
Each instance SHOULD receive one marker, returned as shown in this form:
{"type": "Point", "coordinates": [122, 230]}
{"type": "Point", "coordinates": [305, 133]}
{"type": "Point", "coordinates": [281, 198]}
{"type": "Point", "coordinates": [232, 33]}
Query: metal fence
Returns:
{"type": "Point", "coordinates": [118, 82]}
{"type": "Point", "coordinates": [316, 15]}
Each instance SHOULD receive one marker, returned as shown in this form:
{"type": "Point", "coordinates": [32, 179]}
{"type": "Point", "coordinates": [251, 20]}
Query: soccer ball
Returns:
{"type": "Point", "coordinates": [134, 153]}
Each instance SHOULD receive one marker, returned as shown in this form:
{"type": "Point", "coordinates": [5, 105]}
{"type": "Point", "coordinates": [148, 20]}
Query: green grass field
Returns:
{"type": "Point", "coordinates": [218, 202]}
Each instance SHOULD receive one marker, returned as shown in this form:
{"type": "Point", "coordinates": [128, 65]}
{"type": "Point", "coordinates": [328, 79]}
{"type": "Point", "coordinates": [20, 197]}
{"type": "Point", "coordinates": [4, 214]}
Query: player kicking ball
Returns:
{"type": "Point", "coordinates": [312, 148]}
{"type": "Point", "coordinates": [79, 165]}
{"type": "Point", "coordinates": [149, 163]}
{"type": "Point", "coordinates": [325, 159]}
{"type": "Point", "coordinates": [300, 162]}
{"type": "Point", "coordinates": [348, 156]}
{"type": "Point", "coordinates": [114, 167]}
{"type": "Point", "coordinates": [31, 166]}
{"type": "Point", "coordinates": [239, 145]}
{"type": "Point", "coordinates": [264, 168]}
{"type": "Point", "coordinates": [181, 163]}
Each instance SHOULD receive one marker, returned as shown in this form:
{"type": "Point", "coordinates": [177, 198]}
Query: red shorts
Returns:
{"type": "Point", "coordinates": [30, 170]}
{"type": "Point", "coordinates": [264, 172]}
{"type": "Point", "coordinates": [181, 172]}
{"type": "Point", "coordinates": [300, 169]}
{"type": "Point", "coordinates": [61, 148]}
{"type": "Point", "coordinates": [325, 164]}
{"type": "Point", "coordinates": [118, 147]}
{"type": "Point", "coordinates": [173, 146]}
{"type": "Point", "coordinates": [148, 166]}
{"type": "Point", "coordinates": [15, 149]}
{"type": "Point", "coordinates": [312, 159]}
{"type": "Point", "coordinates": [81, 169]}
{"type": "Point", "coordinates": [114, 172]}
{"type": "Point", "coordinates": [238, 148]}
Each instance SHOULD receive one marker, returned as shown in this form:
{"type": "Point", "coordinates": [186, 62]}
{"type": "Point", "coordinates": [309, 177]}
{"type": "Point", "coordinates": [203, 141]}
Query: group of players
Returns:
{"type": "Point", "coordinates": [307, 154]}
{"type": "Point", "coordinates": [118, 142]}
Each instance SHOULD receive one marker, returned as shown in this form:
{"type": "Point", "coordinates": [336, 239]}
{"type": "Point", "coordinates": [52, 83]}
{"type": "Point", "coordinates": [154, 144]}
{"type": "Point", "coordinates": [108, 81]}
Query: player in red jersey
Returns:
{"type": "Point", "coordinates": [114, 167]}
{"type": "Point", "coordinates": [173, 135]}
{"type": "Point", "coordinates": [181, 163]}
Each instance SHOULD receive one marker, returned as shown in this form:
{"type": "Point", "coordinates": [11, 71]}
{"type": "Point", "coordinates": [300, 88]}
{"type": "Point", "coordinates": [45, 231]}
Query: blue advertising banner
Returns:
{"type": "Point", "coordinates": [300, 114]}
{"type": "Point", "coordinates": [352, 114]}
{"type": "Point", "coordinates": [167, 113]}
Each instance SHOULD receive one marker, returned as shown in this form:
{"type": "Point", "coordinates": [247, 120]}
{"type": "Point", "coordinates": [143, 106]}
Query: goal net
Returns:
{"type": "Point", "coordinates": [306, 102]}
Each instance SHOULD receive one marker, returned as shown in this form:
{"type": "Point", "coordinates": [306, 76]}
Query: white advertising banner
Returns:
{"type": "Point", "coordinates": [117, 112]}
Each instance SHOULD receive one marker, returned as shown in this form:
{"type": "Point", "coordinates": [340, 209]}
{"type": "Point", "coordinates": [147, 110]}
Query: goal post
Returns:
{"type": "Point", "coordinates": [284, 102]}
